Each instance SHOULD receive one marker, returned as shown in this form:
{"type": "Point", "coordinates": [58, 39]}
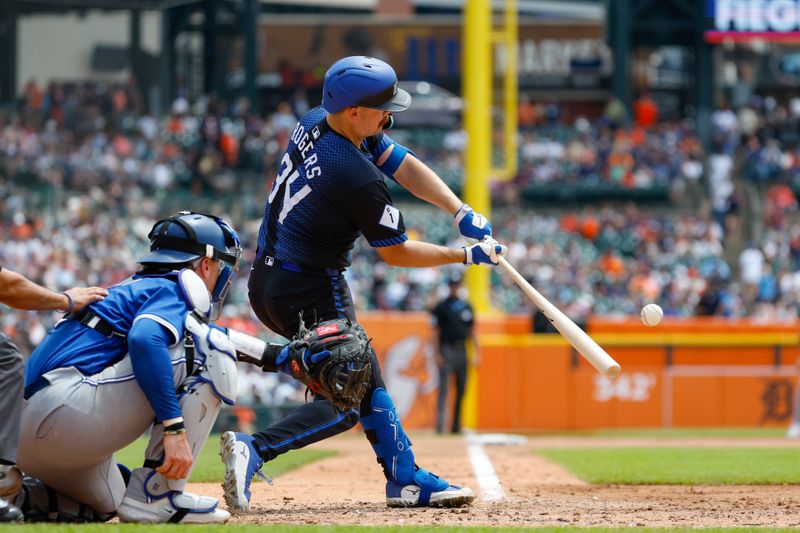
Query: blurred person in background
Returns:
{"type": "Point", "coordinates": [645, 110]}
{"type": "Point", "coordinates": [751, 269]}
{"type": "Point", "coordinates": [19, 292]}
{"type": "Point", "coordinates": [454, 321]}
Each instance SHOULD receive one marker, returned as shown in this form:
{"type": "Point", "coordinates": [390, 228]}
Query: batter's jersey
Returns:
{"type": "Point", "coordinates": [327, 192]}
{"type": "Point", "coordinates": [70, 343]}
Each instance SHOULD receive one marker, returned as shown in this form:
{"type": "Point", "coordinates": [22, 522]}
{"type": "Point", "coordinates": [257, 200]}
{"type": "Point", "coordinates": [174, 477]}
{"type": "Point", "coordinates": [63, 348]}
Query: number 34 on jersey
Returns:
{"type": "Point", "coordinates": [288, 172]}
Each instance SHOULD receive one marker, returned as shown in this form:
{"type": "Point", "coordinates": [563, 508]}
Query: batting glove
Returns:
{"type": "Point", "coordinates": [473, 226]}
{"type": "Point", "coordinates": [486, 252]}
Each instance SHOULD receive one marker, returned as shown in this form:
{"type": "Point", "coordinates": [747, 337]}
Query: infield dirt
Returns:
{"type": "Point", "coordinates": [348, 489]}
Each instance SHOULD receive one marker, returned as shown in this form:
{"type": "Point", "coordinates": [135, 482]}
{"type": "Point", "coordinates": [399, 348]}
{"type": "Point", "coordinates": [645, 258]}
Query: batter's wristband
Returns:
{"type": "Point", "coordinates": [71, 304]}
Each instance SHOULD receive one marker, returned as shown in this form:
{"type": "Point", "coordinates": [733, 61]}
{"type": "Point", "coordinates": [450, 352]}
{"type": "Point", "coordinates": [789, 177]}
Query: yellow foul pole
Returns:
{"type": "Point", "coordinates": [477, 87]}
{"type": "Point", "coordinates": [476, 59]}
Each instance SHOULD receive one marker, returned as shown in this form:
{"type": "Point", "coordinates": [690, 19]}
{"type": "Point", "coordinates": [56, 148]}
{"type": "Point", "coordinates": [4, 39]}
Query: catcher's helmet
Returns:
{"type": "Point", "coordinates": [187, 236]}
{"type": "Point", "coordinates": [363, 81]}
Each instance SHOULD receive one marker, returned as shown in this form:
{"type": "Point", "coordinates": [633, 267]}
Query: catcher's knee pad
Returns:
{"type": "Point", "coordinates": [218, 357]}
{"type": "Point", "coordinates": [385, 433]}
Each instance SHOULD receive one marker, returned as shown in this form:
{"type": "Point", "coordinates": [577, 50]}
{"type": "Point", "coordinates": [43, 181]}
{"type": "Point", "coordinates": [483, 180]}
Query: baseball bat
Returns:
{"type": "Point", "coordinates": [578, 339]}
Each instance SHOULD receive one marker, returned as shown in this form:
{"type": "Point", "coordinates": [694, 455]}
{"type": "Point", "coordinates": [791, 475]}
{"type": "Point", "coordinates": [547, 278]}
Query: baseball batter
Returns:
{"type": "Point", "coordinates": [104, 375]}
{"type": "Point", "coordinates": [329, 190]}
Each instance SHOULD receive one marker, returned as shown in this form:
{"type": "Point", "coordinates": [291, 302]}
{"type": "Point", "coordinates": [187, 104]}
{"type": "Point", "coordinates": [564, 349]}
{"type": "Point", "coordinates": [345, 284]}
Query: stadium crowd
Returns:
{"type": "Point", "coordinates": [85, 170]}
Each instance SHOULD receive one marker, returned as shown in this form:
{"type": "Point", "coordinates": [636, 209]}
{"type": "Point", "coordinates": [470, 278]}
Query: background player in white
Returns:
{"type": "Point", "coordinates": [145, 354]}
{"type": "Point", "coordinates": [19, 292]}
{"type": "Point", "coordinates": [330, 190]}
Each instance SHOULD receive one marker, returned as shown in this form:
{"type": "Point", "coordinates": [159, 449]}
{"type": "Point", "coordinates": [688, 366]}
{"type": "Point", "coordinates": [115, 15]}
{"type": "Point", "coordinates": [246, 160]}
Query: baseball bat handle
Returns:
{"type": "Point", "coordinates": [578, 339]}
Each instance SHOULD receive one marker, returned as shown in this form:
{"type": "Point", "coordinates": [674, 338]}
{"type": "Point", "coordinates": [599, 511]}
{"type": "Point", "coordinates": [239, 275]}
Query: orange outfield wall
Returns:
{"type": "Point", "coordinates": [683, 373]}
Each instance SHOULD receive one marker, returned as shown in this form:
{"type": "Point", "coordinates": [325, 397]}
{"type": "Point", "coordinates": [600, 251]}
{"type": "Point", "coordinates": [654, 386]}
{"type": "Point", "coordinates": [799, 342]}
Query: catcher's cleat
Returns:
{"type": "Point", "coordinates": [9, 512]}
{"type": "Point", "coordinates": [428, 490]}
{"type": "Point", "coordinates": [242, 462]}
{"type": "Point", "coordinates": [10, 480]}
{"type": "Point", "coordinates": [183, 507]}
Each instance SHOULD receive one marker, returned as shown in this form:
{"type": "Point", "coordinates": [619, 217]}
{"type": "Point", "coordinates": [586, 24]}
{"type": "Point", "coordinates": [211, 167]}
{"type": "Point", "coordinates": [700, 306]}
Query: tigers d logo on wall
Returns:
{"type": "Point", "coordinates": [777, 400]}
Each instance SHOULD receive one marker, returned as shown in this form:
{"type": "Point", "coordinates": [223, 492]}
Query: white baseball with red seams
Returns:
{"type": "Point", "coordinates": [652, 314]}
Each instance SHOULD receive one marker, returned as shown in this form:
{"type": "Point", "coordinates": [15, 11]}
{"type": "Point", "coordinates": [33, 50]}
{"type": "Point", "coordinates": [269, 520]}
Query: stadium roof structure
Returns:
{"type": "Point", "coordinates": [38, 6]}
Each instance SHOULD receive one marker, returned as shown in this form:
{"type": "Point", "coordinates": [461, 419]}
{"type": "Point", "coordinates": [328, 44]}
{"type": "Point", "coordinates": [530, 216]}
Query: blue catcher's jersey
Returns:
{"type": "Point", "coordinates": [70, 343]}
{"type": "Point", "coordinates": [323, 198]}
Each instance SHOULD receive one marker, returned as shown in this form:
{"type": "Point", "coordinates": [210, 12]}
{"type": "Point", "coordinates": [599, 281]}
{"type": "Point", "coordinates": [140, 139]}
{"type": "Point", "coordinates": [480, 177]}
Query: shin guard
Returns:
{"type": "Point", "coordinates": [200, 407]}
{"type": "Point", "coordinates": [407, 485]}
{"type": "Point", "coordinates": [388, 439]}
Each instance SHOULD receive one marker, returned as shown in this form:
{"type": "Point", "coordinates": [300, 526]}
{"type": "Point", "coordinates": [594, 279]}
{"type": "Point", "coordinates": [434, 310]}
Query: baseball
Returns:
{"type": "Point", "coordinates": [651, 314]}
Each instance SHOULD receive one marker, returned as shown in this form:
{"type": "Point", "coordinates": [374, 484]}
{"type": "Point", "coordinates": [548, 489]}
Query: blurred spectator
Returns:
{"type": "Point", "coordinates": [751, 268]}
{"type": "Point", "coordinates": [692, 172]}
{"type": "Point", "coordinates": [615, 113]}
{"type": "Point", "coordinates": [645, 110]}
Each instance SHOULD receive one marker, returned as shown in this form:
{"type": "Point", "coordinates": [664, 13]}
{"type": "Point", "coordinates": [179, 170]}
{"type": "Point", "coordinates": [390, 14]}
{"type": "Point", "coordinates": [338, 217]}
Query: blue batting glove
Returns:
{"type": "Point", "coordinates": [473, 226]}
{"type": "Point", "coordinates": [486, 252]}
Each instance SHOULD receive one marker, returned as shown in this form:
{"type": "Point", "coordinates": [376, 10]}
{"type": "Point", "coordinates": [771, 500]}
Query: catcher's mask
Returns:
{"type": "Point", "coordinates": [187, 236]}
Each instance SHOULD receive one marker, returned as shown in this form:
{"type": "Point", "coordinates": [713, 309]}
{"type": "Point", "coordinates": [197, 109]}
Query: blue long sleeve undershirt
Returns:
{"type": "Point", "coordinates": [147, 342]}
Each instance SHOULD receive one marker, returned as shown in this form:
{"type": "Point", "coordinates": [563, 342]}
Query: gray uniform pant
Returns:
{"type": "Point", "coordinates": [12, 379]}
{"type": "Point", "coordinates": [455, 362]}
{"type": "Point", "coordinates": [72, 428]}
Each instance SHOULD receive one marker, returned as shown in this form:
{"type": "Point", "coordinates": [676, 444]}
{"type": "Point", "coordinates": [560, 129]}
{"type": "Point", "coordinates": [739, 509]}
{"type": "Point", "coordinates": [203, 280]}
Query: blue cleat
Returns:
{"type": "Point", "coordinates": [428, 490]}
{"type": "Point", "coordinates": [242, 462]}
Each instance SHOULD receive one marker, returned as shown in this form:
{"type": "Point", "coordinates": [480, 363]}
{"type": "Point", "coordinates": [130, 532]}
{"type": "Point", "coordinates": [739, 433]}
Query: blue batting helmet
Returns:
{"type": "Point", "coordinates": [187, 236]}
{"type": "Point", "coordinates": [363, 81]}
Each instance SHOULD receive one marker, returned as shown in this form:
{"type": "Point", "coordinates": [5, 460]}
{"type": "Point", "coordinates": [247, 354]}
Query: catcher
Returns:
{"type": "Point", "coordinates": [144, 358]}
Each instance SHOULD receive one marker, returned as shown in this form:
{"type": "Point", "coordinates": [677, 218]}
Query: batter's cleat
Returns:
{"type": "Point", "coordinates": [10, 480]}
{"type": "Point", "coordinates": [9, 512]}
{"type": "Point", "coordinates": [242, 462]}
{"type": "Point", "coordinates": [428, 490]}
{"type": "Point", "coordinates": [183, 507]}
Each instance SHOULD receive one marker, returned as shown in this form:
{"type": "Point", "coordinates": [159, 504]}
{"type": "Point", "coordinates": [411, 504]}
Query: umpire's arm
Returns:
{"type": "Point", "coordinates": [19, 292]}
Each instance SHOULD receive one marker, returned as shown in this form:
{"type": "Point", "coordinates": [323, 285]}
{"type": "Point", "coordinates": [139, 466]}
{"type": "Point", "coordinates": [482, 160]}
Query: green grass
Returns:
{"type": "Point", "coordinates": [681, 466]}
{"type": "Point", "coordinates": [667, 433]}
{"type": "Point", "coordinates": [209, 467]}
{"type": "Point", "coordinates": [691, 433]}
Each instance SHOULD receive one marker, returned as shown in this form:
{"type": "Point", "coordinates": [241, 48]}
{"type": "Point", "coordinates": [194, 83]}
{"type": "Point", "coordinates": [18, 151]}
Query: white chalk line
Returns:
{"type": "Point", "coordinates": [489, 483]}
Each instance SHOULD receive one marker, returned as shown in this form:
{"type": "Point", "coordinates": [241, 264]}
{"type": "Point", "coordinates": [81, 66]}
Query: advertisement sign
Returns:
{"type": "Point", "coordinates": [740, 20]}
{"type": "Point", "coordinates": [550, 55]}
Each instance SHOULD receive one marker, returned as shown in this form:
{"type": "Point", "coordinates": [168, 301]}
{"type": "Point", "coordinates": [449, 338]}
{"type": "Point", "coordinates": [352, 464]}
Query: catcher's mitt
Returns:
{"type": "Point", "coordinates": [333, 358]}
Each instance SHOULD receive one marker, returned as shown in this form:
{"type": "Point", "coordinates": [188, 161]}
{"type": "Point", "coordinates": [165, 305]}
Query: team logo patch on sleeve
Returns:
{"type": "Point", "coordinates": [390, 217]}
